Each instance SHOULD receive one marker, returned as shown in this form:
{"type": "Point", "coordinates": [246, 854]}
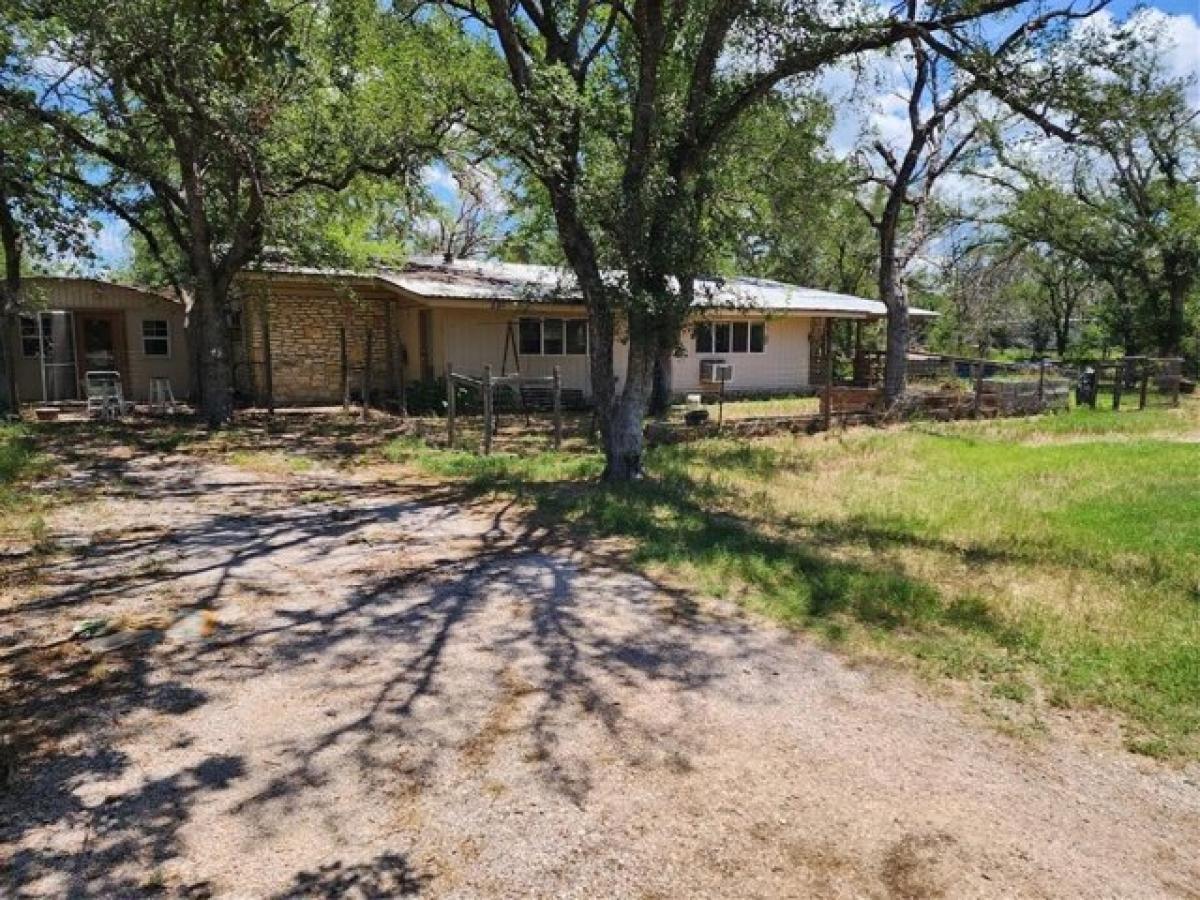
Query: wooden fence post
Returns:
{"type": "Point", "coordinates": [978, 388]}
{"type": "Point", "coordinates": [1177, 376]}
{"type": "Point", "coordinates": [450, 406]}
{"type": "Point", "coordinates": [1118, 386]}
{"type": "Point", "coordinates": [827, 399]}
{"type": "Point", "coordinates": [345, 370]}
{"type": "Point", "coordinates": [557, 408]}
{"type": "Point", "coordinates": [366, 377]}
{"type": "Point", "coordinates": [268, 378]}
{"type": "Point", "coordinates": [1042, 383]}
{"type": "Point", "coordinates": [487, 410]}
{"type": "Point", "coordinates": [1145, 383]}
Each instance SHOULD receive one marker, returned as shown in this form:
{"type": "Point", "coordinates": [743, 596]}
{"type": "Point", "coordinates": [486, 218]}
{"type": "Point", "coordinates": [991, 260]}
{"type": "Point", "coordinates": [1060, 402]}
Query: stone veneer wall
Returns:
{"type": "Point", "coordinates": [304, 328]}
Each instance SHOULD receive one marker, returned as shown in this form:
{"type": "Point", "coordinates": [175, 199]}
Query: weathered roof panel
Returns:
{"type": "Point", "coordinates": [499, 282]}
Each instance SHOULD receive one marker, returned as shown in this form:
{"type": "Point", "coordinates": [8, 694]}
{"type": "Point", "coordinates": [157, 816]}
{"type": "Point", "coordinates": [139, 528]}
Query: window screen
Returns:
{"type": "Point", "coordinates": [552, 337]}
{"type": "Point", "coordinates": [741, 336]}
{"type": "Point", "coordinates": [721, 338]}
{"type": "Point", "coordinates": [156, 337]}
{"type": "Point", "coordinates": [758, 337]}
{"type": "Point", "coordinates": [531, 337]}
{"type": "Point", "coordinates": [31, 345]}
{"type": "Point", "coordinates": [577, 336]}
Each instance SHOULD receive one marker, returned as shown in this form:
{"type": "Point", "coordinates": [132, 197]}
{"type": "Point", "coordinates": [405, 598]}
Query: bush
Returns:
{"type": "Point", "coordinates": [428, 397]}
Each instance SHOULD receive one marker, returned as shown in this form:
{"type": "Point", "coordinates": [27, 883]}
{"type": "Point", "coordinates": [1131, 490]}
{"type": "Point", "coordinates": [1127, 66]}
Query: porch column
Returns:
{"type": "Point", "coordinates": [827, 397]}
{"type": "Point", "coordinates": [860, 368]}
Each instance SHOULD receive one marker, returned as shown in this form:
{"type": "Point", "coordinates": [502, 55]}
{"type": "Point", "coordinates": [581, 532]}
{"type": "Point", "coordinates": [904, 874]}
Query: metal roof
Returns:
{"type": "Point", "coordinates": [499, 282]}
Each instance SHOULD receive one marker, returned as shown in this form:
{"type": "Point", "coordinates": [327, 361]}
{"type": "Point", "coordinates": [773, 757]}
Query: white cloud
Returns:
{"type": "Point", "coordinates": [867, 94]}
{"type": "Point", "coordinates": [1182, 51]}
{"type": "Point", "coordinates": [111, 245]}
{"type": "Point", "coordinates": [860, 91]}
{"type": "Point", "coordinates": [439, 179]}
{"type": "Point", "coordinates": [1177, 38]}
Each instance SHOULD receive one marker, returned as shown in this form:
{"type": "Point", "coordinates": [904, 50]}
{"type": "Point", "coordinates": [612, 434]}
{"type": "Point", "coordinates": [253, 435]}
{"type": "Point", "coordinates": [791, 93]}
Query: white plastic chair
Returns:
{"type": "Point", "coordinates": [105, 397]}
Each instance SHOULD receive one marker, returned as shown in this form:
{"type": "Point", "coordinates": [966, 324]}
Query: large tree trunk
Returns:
{"type": "Point", "coordinates": [1062, 338]}
{"type": "Point", "coordinates": [10, 299]}
{"type": "Point", "coordinates": [895, 368]}
{"type": "Point", "coordinates": [618, 417]}
{"type": "Point", "coordinates": [623, 438]}
{"type": "Point", "coordinates": [9, 349]}
{"type": "Point", "coordinates": [895, 372]}
{"type": "Point", "coordinates": [660, 393]}
{"type": "Point", "coordinates": [216, 366]}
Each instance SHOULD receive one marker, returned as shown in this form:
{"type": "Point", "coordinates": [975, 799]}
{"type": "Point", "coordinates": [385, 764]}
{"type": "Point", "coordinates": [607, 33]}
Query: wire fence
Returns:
{"type": "Point", "coordinates": [527, 393]}
{"type": "Point", "coordinates": [1132, 382]}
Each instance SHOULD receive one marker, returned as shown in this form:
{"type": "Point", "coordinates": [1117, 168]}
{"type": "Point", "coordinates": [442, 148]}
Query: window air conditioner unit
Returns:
{"type": "Point", "coordinates": [715, 371]}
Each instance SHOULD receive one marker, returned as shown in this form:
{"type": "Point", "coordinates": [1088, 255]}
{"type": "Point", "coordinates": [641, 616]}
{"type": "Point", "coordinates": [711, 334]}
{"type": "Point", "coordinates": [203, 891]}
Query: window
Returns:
{"type": "Point", "coordinates": [741, 337]}
{"type": "Point", "coordinates": [31, 343]}
{"type": "Point", "coordinates": [577, 337]}
{"type": "Point", "coordinates": [156, 337]}
{"type": "Point", "coordinates": [731, 337]}
{"type": "Point", "coordinates": [531, 337]}
{"type": "Point", "coordinates": [552, 337]}
{"type": "Point", "coordinates": [758, 337]}
{"type": "Point", "coordinates": [721, 337]}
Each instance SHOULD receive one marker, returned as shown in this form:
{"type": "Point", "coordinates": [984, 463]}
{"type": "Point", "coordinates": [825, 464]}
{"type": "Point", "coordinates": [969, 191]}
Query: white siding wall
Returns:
{"type": "Point", "coordinates": [783, 367]}
{"type": "Point", "coordinates": [471, 339]}
{"type": "Point", "coordinates": [142, 367]}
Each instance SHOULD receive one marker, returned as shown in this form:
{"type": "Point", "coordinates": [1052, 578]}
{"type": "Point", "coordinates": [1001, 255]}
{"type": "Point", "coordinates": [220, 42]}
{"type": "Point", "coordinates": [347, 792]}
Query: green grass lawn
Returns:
{"type": "Point", "coordinates": [1051, 562]}
{"type": "Point", "coordinates": [18, 461]}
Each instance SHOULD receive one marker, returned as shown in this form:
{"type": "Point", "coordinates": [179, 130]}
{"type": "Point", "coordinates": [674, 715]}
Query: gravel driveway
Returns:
{"type": "Point", "coordinates": [346, 686]}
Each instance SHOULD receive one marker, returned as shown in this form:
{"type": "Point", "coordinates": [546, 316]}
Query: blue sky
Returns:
{"type": "Point", "coordinates": [111, 243]}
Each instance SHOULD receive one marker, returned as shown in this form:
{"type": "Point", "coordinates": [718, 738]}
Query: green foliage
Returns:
{"type": "Point", "coordinates": [16, 451]}
{"type": "Point", "coordinates": [783, 206]}
{"type": "Point", "coordinates": [427, 397]}
{"type": "Point", "coordinates": [1130, 209]}
{"type": "Point", "coordinates": [204, 122]}
{"type": "Point", "coordinates": [500, 471]}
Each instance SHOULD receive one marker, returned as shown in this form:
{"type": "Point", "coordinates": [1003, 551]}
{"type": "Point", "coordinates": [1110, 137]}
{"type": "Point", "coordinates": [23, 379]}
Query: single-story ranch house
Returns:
{"type": "Point", "coordinates": [302, 334]}
{"type": "Point", "coordinates": [513, 317]}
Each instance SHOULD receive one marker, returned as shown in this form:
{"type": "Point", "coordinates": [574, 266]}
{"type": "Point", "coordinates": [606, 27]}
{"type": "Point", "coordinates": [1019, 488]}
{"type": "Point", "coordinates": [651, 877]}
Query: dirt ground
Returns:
{"type": "Point", "coordinates": [346, 684]}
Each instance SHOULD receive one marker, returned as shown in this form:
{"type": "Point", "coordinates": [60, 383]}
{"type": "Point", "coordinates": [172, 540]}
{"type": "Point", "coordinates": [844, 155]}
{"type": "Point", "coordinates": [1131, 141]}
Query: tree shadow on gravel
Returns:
{"type": "Point", "coordinates": [388, 875]}
{"type": "Point", "coordinates": [530, 613]}
{"type": "Point", "coordinates": [437, 650]}
{"type": "Point", "coordinates": [127, 836]}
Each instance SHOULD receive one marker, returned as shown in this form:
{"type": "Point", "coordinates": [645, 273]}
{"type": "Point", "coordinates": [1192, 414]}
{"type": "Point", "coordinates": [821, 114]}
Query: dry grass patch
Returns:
{"type": "Point", "coordinates": [271, 462]}
{"type": "Point", "coordinates": [1048, 561]}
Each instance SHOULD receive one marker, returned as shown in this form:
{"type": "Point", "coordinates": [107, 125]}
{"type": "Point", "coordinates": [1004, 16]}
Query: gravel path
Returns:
{"type": "Point", "coordinates": [389, 690]}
